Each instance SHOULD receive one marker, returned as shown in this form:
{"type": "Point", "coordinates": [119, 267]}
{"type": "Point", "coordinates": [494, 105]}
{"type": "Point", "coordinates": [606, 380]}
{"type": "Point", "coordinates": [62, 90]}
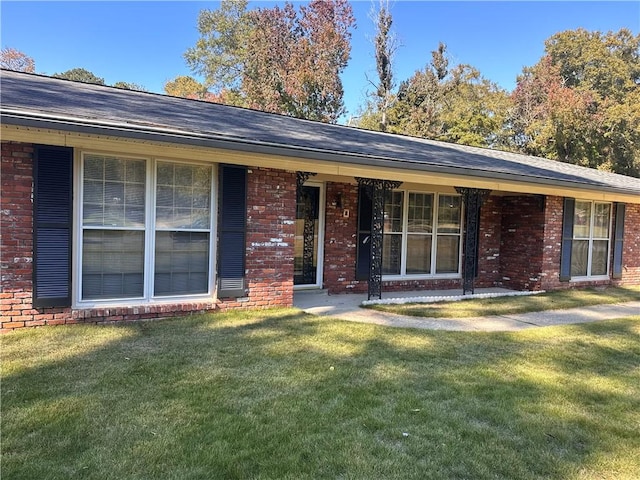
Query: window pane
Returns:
{"type": "Point", "coordinates": [391, 251]}
{"type": "Point", "coordinates": [114, 169]}
{"type": "Point", "coordinates": [447, 254]}
{"type": "Point", "coordinates": [419, 254]}
{"type": "Point", "coordinates": [601, 220]}
{"type": "Point", "coordinates": [393, 212]}
{"type": "Point", "coordinates": [182, 263]}
{"type": "Point", "coordinates": [420, 213]}
{"type": "Point", "coordinates": [94, 167]}
{"type": "Point", "coordinates": [449, 214]}
{"type": "Point", "coordinates": [582, 220]}
{"type": "Point", "coordinates": [112, 264]}
{"type": "Point", "coordinates": [599, 257]}
{"type": "Point", "coordinates": [113, 191]}
{"type": "Point", "coordinates": [182, 200]}
{"type": "Point", "coordinates": [579, 258]}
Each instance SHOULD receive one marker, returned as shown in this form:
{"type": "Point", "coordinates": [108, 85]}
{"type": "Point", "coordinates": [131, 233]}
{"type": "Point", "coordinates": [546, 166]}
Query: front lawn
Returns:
{"type": "Point", "coordinates": [556, 300]}
{"type": "Point", "coordinates": [284, 395]}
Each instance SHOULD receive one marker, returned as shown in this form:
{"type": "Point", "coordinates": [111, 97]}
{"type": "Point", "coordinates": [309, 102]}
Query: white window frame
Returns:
{"type": "Point", "coordinates": [434, 240]}
{"type": "Point", "coordinates": [149, 234]}
{"type": "Point", "coordinates": [591, 238]}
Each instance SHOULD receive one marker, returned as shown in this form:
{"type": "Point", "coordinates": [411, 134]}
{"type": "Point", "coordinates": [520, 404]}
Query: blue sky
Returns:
{"type": "Point", "coordinates": [143, 42]}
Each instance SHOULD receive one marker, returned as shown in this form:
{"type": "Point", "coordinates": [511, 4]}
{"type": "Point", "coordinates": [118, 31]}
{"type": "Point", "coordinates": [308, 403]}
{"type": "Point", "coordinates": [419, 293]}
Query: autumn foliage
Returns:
{"type": "Point", "coordinates": [13, 59]}
{"type": "Point", "coordinates": [280, 60]}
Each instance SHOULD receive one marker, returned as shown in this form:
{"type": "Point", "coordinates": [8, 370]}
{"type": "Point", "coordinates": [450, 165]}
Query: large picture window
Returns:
{"type": "Point", "coordinates": [145, 228]}
{"type": "Point", "coordinates": [422, 234]}
{"type": "Point", "coordinates": [591, 232]}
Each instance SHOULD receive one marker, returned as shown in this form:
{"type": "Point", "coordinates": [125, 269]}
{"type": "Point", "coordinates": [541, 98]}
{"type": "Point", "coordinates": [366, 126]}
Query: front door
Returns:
{"type": "Point", "coordinates": [308, 243]}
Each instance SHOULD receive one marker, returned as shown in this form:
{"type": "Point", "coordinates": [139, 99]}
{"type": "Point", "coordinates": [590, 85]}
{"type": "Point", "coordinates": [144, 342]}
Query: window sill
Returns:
{"type": "Point", "coordinates": [441, 276]}
{"type": "Point", "coordinates": [141, 303]}
{"type": "Point", "coordinates": [596, 278]}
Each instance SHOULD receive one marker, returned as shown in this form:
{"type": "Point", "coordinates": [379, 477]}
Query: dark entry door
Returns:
{"type": "Point", "coordinates": [365, 207]}
{"type": "Point", "coordinates": [307, 236]}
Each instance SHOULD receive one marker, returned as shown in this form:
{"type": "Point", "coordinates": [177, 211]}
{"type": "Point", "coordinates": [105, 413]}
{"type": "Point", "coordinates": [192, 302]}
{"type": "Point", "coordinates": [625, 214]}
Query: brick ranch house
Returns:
{"type": "Point", "coordinates": [123, 205]}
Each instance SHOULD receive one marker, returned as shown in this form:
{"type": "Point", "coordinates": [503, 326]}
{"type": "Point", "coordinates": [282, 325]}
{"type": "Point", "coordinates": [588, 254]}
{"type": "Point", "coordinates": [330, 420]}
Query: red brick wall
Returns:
{"type": "Point", "coordinates": [340, 247]}
{"type": "Point", "coordinates": [550, 274]}
{"type": "Point", "coordinates": [489, 244]}
{"type": "Point", "coordinates": [552, 245]}
{"type": "Point", "coordinates": [271, 213]}
{"type": "Point", "coordinates": [631, 246]}
{"type": "Point", "coordinates": [270, 235]}
{"type": "Point", "coordinates": [340, 243]}
{"type": "Point", "coordinates": [521, 242]}
{"type": "Point", "coordinates": [16, 234]}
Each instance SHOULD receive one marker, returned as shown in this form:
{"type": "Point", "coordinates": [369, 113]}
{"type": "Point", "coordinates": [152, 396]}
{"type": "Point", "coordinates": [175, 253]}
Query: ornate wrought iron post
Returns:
{"type": "Point", "coordinates": [378, 189]}
{"type": "Point", "coordinates": [472, 199]}
{"type": "Point", "coordinates": [308, 232]}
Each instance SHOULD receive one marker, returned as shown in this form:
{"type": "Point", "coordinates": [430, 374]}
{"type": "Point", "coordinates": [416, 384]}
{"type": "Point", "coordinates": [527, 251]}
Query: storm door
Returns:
{"type": "Point", "coordinates": [308, 243]}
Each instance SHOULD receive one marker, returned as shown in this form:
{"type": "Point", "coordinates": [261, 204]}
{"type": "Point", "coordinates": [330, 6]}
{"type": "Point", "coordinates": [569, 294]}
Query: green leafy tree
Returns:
{"type": "Point", "coordinates": [454, 104]}
{"type": "Point", "coordinates": [221, 52]}
{"type": "Point", "coordinates": [80, 75]}
{"type": "Point", "coordinates": [579, 103]}
{"type": "Point", "coordinates": [476, 112]}
{"type": "Point", "coordinates": [185, 86]}
{"type": "Point", "coordinates": [129, 86]}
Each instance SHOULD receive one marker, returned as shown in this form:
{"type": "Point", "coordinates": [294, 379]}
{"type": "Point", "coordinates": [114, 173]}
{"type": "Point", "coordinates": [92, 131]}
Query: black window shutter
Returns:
{"type": "Point", "coordinates": [618, 239]}
{"type": "Point", "coordinates": [233, 219]}
{"type": "Point", "coordinates": [567, 239]}
{"type": "Point", "coordinates": [365, 212]}
{"type": "Point", "coordinates": [52, 226]}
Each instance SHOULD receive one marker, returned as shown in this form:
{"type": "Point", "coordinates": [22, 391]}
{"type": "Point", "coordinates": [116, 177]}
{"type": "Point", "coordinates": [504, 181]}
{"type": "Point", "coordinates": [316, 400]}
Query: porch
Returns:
{"type": "Point", "coordinates": [348, 307]}
{"type": "Point", "coordinates": [320, 302]}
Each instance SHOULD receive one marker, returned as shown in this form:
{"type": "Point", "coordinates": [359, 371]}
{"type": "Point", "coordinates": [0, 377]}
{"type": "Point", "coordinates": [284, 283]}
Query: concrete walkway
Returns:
{"type": "Point", "coordinates": [347, 307]}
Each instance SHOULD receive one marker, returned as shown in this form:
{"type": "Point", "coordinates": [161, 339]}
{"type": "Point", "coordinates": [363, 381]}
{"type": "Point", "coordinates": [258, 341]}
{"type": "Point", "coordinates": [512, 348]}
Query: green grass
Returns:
{"type": "Point", "coordinates": [556, 300]}
{"type": "Point", "coordinates": [284, 395]}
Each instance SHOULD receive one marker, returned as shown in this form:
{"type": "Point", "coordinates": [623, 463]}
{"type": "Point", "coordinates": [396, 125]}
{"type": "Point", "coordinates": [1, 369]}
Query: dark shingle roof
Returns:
{"type": "Point", "coordinates": [34, 100]}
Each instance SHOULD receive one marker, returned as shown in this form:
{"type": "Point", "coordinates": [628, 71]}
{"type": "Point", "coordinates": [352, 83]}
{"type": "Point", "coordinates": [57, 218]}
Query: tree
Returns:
{"type": "Point", "coordinates": [185, 86]}
{"type": "Point", "coordinates": [475, 112]}
{"type": "Point", "coordinates": [129, 86]}
{"type": "Point", "coordinates": [13, 59]}
{"type": "Point", "coordinates": [450, 104]}
{"type": "Point", "coordinates": [385, 46]}
{"type": "Point", "coordinates": [80, 75]}
{"type": "Point", "coordinates": [276, 59]}
{"type": "Point", "coordinates": [579, 103]}
{"type": "Point", "coordinates": [221, 52]}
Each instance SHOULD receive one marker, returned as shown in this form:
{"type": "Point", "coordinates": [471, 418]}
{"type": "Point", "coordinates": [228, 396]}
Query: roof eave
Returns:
{"type": "Point", "coordinates": [187, 138]}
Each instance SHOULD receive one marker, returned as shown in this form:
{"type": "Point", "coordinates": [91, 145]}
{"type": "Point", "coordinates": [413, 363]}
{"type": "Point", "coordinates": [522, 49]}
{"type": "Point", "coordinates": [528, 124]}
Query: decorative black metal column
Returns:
{"type": "Point", "coordinates": [308, 232]}
{"type": "Point", "coordinates": [472, 199]}
{"type": "Point", "coordinates": [378, 189]}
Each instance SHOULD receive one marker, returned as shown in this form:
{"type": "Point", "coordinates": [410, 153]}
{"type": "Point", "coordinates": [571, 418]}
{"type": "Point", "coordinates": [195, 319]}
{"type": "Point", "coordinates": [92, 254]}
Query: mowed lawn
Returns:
{"type": "Point", "coordinates": [284, 395]}
{"type": "Point", "coordinates": [555, 300]}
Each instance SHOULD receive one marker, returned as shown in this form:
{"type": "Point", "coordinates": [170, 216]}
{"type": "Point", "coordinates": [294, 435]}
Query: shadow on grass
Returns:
{"type": "Point", "coordinates": [559, 299]}
{"type": "Point", "coordinates": [281, 394]}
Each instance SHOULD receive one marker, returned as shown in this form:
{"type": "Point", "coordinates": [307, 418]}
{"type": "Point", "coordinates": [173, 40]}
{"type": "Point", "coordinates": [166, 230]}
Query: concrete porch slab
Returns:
{"type": "Point", "coordinates": [347, 307]}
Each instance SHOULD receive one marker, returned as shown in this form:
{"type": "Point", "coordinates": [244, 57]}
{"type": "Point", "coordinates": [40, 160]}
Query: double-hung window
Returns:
{"type": "Point", "coordinates": [422, 234]}
{"type": "Point", "coordinates": [145, 229]}
{"type": "Point", "coordinates": [591, 232]}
